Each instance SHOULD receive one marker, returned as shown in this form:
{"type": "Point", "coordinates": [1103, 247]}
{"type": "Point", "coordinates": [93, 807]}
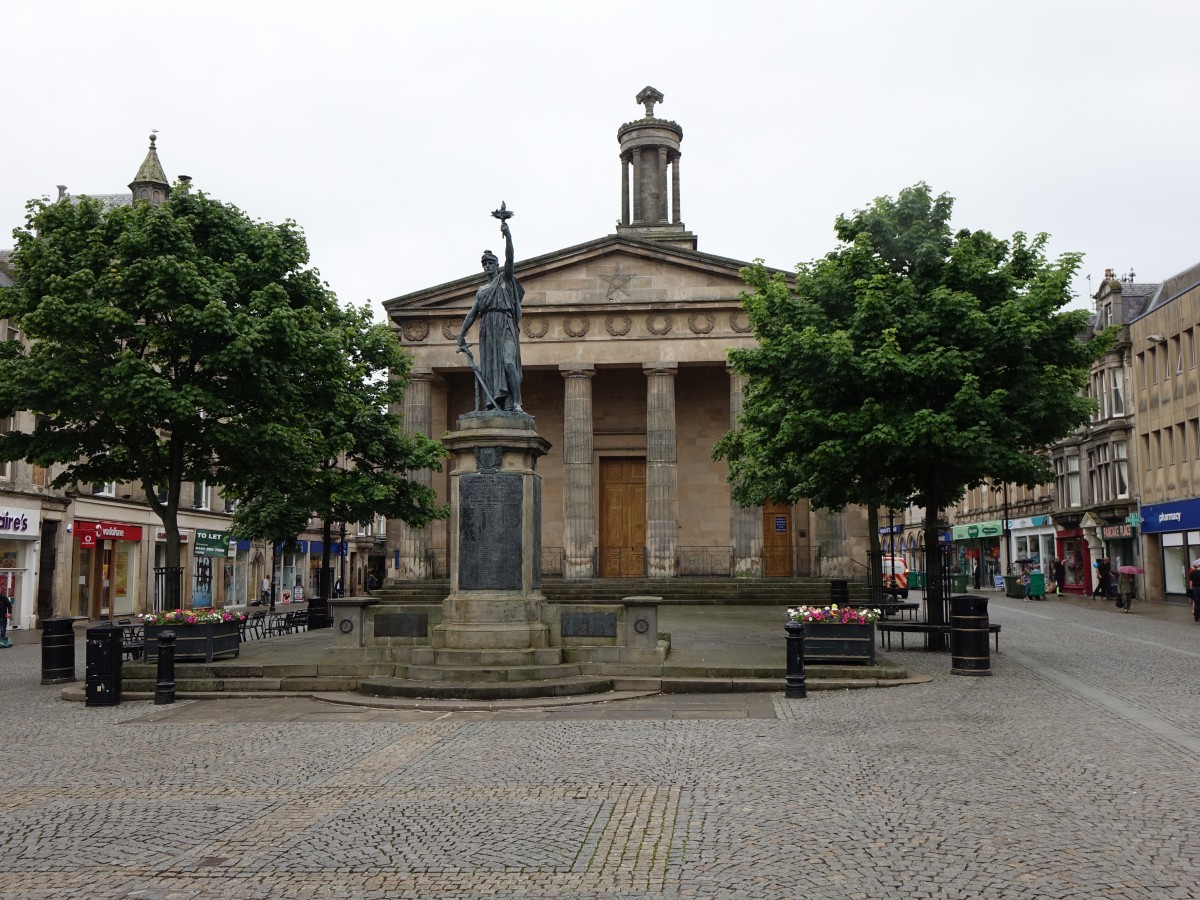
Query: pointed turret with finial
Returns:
{"type": "Point", "coordinates": [150, 183]}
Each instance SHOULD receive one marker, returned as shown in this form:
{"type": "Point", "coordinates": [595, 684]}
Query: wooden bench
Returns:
{"type": "Point", "coordinates": [887, 629]}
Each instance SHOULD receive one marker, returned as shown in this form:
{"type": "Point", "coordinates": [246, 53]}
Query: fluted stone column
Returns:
{"type": "Point", "coordinates": [662, 470]}
{"type": "Point", "coordinates": [413, 543]}
{"type": "Point", "coordinates": [579, 472]}
{"type": "Point", "coordinates": [745, 522]}
{"type": "Point", "coordinates": [675, 191]}
{"type": "Point", "coordinates": [624, 191]}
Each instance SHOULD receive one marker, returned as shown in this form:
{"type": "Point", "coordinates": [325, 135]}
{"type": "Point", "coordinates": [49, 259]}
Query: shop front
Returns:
{"type": "Point", "coordinates": [1077, 560]}
{"type": "Point", "coordinates": [977, 552]}
{"type": "Point", "coordinates": [1120, 544]}
{"type": "Point", "coordinates": [104, 568]}
{"type": "Point", "coordinates": [20, 530]}
{"type": "Point", "coordinates": [1171, 533]}
{"type": "Point", "coordinates": [1033, 539]}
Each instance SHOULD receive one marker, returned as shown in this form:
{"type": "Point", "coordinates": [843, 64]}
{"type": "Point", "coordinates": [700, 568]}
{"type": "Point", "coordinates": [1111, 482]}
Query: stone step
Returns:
{"type": "Point", "coordinates": [509, 690]}
{"type": "Point", "coordinates": [441, 656]}
{"type": "Point", "coordinates": [491, 674]}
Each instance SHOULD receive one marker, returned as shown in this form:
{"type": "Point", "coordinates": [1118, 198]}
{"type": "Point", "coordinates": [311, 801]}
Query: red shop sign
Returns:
{"type": "Point", "coordinates": [90, 532]}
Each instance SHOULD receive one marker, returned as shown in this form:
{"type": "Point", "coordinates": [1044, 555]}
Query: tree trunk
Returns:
{"type": "Point", "coordinates": [934, 579]}
{"type": "Point", "coordinates": [875, 556]}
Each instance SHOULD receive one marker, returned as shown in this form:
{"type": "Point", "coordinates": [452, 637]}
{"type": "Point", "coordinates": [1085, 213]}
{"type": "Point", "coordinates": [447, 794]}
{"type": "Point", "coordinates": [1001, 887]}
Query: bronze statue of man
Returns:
{"type": "Point", "coordinates": [497, 307]}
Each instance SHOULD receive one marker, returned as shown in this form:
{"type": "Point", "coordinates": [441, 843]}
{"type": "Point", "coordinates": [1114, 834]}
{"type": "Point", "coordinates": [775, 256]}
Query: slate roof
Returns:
{"type": "Point", "coordinates": [1172, 288]}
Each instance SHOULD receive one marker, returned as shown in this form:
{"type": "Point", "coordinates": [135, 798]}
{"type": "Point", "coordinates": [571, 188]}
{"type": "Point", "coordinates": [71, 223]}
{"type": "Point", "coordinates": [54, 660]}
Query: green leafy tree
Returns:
{"type": "Point", "coordinates": [909, 364]}
{"type": "Point", "coordinates": [167, 344]}
{"type": "Point", "coordinates": [357, 457]}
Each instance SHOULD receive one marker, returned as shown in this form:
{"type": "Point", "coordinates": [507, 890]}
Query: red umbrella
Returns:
{"type": "Point", "coordinates": [1131, 570]}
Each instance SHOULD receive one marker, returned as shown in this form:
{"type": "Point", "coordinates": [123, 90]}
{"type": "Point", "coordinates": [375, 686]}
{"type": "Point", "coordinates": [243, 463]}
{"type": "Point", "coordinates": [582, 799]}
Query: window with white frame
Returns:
{"type": "Point", "coordinates": [200, 495]}
{"type": "Point", "coordinates": [1177, 354]}
{"type": "Point", "coordinates": [1116, 379]}
{"type": "Point", "coordinates": [6, 468]}
{"type": "Point", "coordinates": [1121, 469]}
{"type": "Point", "coordinates": [104, 489]}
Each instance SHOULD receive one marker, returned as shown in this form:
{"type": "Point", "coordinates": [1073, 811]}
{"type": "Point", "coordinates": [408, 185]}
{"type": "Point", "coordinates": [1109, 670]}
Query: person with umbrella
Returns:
{"type": "Point", "coordinates": [1127, 585]}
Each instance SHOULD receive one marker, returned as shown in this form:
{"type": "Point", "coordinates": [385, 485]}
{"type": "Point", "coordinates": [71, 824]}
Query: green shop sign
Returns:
{"type": "Point", "coordinates": [977, 530]}
{"type": "Point", "coordinates": [211, 543]}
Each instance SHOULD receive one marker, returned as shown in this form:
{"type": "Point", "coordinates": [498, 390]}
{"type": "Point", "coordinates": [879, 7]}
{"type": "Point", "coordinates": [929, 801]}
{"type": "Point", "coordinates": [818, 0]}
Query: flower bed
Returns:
{"type": "Point", "coordinates": [837, 636]}
{"type": "Point", "coordinates": [201, 635]}
{"type": "Point", "coordinates": [198, 616]}
{"type": "Point", "coordinates": [833, 615]}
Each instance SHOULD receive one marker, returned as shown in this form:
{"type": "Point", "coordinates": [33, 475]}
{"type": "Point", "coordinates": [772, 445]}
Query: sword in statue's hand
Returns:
{"type": "Point", "coordinates": [463, 348]}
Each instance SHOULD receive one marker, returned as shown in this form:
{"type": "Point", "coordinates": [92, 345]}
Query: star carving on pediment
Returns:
{"type": "Point", "coordinates": [617, 282]}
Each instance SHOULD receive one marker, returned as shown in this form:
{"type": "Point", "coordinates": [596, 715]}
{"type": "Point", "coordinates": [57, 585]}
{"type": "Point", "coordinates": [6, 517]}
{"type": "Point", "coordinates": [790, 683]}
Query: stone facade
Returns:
{"type": "Point", "coordinates": [624, 343]}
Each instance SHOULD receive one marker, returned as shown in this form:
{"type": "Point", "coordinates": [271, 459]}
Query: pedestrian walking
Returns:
{"type": "Point", "coordinates": [1193, 581]}
{"type": "Point", "coordinates": [264, 596]}
{"type": "Point", "coordinates": [372, 582]}
{"type": "Point", "coordinates": [1025, 581]}
{"type": "Point", "coordinates": [1060, 575]}
{"type": "Point", "coordinates": [6, 609]}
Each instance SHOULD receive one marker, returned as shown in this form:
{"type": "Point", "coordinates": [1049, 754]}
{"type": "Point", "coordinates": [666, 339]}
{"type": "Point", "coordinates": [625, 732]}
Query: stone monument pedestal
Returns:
{"type": "Point", "coordinates": [495, 600]}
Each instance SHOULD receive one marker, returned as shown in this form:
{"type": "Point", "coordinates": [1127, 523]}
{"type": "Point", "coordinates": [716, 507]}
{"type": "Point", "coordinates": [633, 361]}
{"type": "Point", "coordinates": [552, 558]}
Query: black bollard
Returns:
{"type": "Point", "coordinates": [795, 688]}
{"type": "Point", "coordinates": [164, 687]}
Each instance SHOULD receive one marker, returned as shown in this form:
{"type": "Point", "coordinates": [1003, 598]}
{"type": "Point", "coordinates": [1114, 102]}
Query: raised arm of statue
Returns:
{"type": "Point", "coordinates": [508, 250]}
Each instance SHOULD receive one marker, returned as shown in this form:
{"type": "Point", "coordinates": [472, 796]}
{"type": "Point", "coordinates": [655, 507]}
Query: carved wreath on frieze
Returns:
{"type": "Point", "coordinates": [739, 323]}
{"type": "Point", "coordinates": [535, 326]}
{"type": "Point", "coordinates": [618, 326]}
{"type": "Point", "coordinates": [659, 323]}
{"type": "Point", "coordinates": [450, 329]}
{"type": "Point", "coordinates": [701, 323]}
{"type": "Point", "coordinates": [577, 326]}
{"type": "Point", "coordinates": [415, 330]}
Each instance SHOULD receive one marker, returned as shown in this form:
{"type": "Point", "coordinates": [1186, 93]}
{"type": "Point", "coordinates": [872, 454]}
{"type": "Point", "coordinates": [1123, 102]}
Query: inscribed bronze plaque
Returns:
{"type": "Point", "coordinates": [402, 625]}
{"type": "Point", "coordinates": [489, 532]}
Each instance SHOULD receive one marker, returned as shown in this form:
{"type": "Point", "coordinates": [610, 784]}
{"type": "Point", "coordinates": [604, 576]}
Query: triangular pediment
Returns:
{"type": "Point", "coordinates": [612, 271]}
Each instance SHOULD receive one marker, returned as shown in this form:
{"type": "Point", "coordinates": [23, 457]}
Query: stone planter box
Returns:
{"type": "Point", "coordinates": [836, 644]}
{"type": "Point", "coordinates": [197, 643]}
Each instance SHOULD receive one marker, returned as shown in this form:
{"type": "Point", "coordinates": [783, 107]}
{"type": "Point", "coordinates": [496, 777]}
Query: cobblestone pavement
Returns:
{"type": "Point", "coordinates": [1073, 772]}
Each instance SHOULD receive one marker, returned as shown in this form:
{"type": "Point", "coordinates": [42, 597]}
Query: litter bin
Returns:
{"type": "Point", "coordinates": [58, 650]}
{"type": "Point", "coordinates": [103, 668]}
{"type": "Point", "coordinates": [969, 629]}
{"type": "Point", "coordinates": [959, 583]}
{"type": "Point", "coordinates": [916, 581]}
{"type": "Point", "coordinates": [1037, 585]}
{"type": "Point", "coordinates": [1012, 587]}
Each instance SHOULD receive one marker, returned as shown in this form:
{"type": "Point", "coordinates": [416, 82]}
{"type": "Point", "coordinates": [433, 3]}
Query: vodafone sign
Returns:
{"type": "Point", "coordinates": [90, 532]}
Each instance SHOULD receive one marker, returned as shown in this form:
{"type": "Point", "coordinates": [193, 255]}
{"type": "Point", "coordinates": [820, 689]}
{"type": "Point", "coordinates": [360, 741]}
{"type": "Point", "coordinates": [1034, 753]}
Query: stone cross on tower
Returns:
{"type": "Point", "coordinates": [648, 96]}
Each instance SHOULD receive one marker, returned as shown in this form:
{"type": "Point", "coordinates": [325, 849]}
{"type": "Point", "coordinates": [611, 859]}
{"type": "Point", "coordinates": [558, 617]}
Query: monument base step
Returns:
{"type": "Point", "coordinates": [466, 690]}
{"type": "Point", "coordinates": [491, 674]}
{"type": "Point", "coordinates": [429, 656]}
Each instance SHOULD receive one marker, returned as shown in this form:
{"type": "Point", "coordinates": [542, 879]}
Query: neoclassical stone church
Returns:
{"type": "Point", "coordinates": [624, 346]}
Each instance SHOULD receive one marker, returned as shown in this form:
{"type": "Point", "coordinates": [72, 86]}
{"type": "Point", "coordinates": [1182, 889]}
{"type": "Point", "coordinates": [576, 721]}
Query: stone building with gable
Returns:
{"type": "Point", "coordinates": [624, 345]}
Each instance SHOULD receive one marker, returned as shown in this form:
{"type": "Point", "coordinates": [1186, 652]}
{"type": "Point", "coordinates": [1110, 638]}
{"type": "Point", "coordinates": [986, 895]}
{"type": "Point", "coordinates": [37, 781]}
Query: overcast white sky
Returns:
{"type": "Point", "coordinates": [390, 130]}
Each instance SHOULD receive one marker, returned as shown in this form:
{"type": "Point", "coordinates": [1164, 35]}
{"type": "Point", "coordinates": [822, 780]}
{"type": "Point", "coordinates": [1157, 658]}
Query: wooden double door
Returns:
{"type": "Point", "coordinates": [622, 517]}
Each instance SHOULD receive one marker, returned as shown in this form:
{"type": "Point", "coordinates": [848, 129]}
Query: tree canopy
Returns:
{"type": "Point", "coordinates": [186, 342]}
{"type": "Point", "coordinates": [907, 365]}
